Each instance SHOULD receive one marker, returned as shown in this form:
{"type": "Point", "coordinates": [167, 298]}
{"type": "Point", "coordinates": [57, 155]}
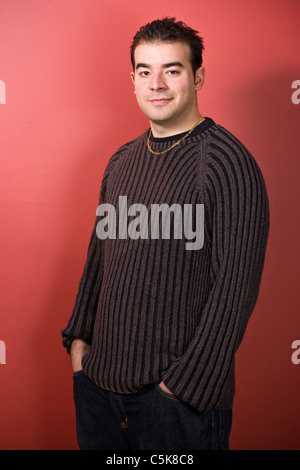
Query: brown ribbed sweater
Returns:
{"type": "Point", "coordinates": [153, 310]}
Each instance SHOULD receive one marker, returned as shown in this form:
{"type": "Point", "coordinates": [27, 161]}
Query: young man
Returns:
{"type": "Point", "coordinates": [173, 267]}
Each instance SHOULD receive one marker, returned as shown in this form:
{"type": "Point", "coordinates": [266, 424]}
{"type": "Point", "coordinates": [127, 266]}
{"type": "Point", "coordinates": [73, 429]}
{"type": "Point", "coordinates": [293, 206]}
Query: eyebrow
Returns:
{"type": "Point", "coordinates": [165, 66]}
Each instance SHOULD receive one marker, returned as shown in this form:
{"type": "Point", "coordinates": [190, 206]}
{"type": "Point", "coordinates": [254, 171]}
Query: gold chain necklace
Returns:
{"type": "Point", "coordinates": [176, 143]}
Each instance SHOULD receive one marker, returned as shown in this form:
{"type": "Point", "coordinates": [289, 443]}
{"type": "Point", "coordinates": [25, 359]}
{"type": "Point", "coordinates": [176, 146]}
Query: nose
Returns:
{"type": "Point", "coordinates": [157, 82]}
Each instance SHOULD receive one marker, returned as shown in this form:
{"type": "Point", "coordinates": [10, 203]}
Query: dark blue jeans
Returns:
{"type": "Point", "coordinates": [150, 419]}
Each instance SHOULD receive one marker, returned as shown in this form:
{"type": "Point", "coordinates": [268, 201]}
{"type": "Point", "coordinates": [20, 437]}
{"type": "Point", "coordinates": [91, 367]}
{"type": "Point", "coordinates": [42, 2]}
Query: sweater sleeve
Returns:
{"type": "Point", "coordinates": [81, 322]}
{"type": "Point", "coordinates": [237, 212]}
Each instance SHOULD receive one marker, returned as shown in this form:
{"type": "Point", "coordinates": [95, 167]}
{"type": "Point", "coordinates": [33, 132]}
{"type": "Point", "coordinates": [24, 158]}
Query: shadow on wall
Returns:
{"type": "Point", "coordinates": [270, 120]}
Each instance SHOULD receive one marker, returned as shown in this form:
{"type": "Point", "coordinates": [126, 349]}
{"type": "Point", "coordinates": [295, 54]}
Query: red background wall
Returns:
{"type": "Point", "coordinates": [69, 104]}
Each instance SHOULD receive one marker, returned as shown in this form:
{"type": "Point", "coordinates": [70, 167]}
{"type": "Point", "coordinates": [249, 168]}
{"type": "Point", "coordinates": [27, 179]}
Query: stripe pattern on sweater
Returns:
{"type": "Point", "coordinates": [153, 310]}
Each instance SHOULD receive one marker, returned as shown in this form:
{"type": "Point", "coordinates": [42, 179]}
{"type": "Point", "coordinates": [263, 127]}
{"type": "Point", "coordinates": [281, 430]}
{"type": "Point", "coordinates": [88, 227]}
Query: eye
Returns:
{"type": "Point", "coordinates": [172, 72]}
{"type": "Point", "coordinates": [144, 73]}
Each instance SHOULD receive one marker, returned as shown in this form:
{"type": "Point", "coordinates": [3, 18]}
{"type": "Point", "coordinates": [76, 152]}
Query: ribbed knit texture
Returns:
{"type": "Point", "coordinates": [153, 310]}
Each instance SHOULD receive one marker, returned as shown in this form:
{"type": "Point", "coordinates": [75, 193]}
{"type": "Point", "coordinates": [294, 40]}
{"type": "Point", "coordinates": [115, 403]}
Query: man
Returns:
{"type": "Point", "coordinates": [173, 267]}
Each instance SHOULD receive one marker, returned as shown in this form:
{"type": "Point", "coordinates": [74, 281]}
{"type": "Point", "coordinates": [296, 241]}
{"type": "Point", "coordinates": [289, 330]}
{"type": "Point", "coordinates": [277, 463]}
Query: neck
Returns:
{"type": "Point", "coordinates": [166, 130]}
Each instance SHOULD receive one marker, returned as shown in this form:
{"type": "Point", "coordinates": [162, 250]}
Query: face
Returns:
{"type": "Point", "coordinates": [165, 85]}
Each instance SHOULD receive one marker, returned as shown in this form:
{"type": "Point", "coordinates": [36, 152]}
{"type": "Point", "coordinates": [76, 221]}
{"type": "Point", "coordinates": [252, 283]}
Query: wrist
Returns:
{"type": "Point", "coordinates": [79, 348]}
{"type": "Point", "coordinates": [163, 387]}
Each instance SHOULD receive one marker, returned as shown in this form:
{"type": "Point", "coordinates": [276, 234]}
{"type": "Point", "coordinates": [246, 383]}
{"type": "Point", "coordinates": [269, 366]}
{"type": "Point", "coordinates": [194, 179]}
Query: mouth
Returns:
{"type": "Point", "coordinates": [160, 101]}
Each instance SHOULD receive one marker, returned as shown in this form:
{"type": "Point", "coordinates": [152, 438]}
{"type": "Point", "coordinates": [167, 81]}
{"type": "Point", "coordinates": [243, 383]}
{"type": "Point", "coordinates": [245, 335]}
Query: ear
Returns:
{"type": "Point", "coordinates": [199, 78]}
{"type": "Point", "coordinates": [132, 76]}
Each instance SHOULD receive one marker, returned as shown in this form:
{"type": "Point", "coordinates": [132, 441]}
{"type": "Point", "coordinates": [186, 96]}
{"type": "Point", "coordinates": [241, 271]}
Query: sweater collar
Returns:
{"type": "Point", "coordinates": [206, 124]}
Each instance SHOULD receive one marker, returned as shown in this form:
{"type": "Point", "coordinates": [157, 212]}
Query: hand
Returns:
{"type": "Point", "coordinates": [79, 348]}
{"type": "Point", "coordinates": [163, 387]}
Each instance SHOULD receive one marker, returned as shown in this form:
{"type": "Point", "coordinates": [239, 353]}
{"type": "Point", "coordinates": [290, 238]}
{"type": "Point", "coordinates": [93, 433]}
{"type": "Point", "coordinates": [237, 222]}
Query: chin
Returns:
{"type": "Point", "coordinates": [160, 119]}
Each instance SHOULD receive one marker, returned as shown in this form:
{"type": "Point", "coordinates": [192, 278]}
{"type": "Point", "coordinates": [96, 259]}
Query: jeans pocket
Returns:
{"type": "Point", "coordinates": [171, 396]}
{"type": "Point", "coordinates": [78, 372]}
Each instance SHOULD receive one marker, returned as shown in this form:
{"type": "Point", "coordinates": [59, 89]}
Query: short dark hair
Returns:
{"type": "Point", "coordinates": [170, 30]}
